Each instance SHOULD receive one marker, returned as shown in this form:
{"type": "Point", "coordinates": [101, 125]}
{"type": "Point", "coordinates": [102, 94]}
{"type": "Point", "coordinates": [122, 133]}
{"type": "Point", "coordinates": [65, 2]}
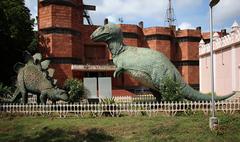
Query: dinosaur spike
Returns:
{"type": "Point", "coordinates": [37, 58]}
{"type": "Point", "coordinates": [54, 81]}
{"type": "Point", "coordinates": [44, 74]}
{"type": "Point", "coordinates": [18, 66]}
{"type": "Point", "coordinates": [51, 72]}
{"type": "Point", "coordinates": [45, 64]}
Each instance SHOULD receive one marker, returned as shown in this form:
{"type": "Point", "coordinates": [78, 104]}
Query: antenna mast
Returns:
{"type": "Point", "coordinates": [170, 17]}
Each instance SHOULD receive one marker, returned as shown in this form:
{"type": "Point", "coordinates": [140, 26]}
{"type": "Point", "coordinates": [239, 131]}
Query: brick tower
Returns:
{"type": "Point", "coordinates": [186, 55]}
{"type": "Point", "coordinates": [60, 24]}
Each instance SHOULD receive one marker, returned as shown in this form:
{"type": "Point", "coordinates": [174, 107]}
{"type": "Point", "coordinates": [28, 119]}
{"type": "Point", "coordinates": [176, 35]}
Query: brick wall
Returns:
{"type": "Point", "coordinates": [63, 72]}
{"type": "Point", "coordinates": [132, 35]}
{"type": "Point", "coordinates": [187, 52]}
{"type": "Point", "coordinates": [159, 39]}
{"type": "Point", "coordinates": [45, 16]}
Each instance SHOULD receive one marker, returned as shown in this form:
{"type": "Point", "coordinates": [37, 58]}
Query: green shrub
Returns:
{"type": "Point", "coordinates": [108, 106]}
{"type": "Point", "coordinates": [108, 101]}
{"type": "Point", "coordinates": [171, 90]}
{"type": "Point", "coordinates": [75, 89]}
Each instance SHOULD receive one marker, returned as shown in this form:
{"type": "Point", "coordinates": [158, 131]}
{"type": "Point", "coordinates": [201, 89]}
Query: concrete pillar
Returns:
{"type": "Point", "coordinates": [201, 43]}
{"type": "Point", "coordinates": [234, 69]}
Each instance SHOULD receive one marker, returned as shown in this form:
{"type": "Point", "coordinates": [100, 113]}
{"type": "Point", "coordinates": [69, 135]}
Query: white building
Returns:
{"type": "Point", "coordinates": [226, 56]}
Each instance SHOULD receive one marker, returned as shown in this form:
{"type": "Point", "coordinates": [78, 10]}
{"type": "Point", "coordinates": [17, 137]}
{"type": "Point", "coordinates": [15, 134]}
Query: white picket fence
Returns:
{"type": "Point", "coordinates": [148, 108]}
{"type": "Point", "coordinates": [138, 98]}
{"type": "Point", "coordinates": [118, 99]}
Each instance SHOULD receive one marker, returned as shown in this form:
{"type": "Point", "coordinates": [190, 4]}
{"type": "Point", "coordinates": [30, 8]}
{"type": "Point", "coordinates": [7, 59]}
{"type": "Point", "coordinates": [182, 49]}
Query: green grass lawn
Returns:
{"type": "Point", "coordinates": [139, 128]}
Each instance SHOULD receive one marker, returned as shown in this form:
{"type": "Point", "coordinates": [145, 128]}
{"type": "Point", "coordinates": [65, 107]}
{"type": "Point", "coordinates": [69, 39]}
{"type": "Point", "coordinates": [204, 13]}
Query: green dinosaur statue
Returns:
{"type": "Point", "coordinates": [148, 66]}
{"type": "Point", "coordinates": [37, 78]}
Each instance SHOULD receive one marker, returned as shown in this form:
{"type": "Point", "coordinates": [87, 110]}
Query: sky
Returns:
{"type": "Point", "coordinates": [189, 14]}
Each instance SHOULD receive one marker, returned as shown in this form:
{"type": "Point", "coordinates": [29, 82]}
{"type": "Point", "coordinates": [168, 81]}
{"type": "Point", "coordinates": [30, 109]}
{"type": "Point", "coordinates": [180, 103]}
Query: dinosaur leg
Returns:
{"type": "Point", "coordinates": [16, 96]}
{"type": "Point", "coordinates": [43, 98]}
{"type": "Point", "coordinates": [156, 94]}
{"type": "Point", "coordinates": [24, 95]}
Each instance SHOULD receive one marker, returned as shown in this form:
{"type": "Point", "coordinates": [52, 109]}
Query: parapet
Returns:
{"type": "Point", "coordinates": [220, 42]}
{"type": "Point", "coordinates": [188, 33]}
{"type": "Point", "coordinates": [157, 31]}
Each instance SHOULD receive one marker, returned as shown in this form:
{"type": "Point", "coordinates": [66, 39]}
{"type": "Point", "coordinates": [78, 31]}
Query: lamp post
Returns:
{"type": "Point", "coordinates": [213, 121]}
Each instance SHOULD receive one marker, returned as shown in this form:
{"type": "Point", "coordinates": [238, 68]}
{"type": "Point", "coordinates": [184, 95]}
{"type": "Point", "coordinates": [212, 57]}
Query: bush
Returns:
{"type": "Point", "coordinates": [108, 106]}
{"type": "Point", "coordinates": [75, 89]}
{"type": "Point", "coordinates": [108, 101]}
{"type": "Point", "coordinates": [5, 91]}
{"type": "Point", "coordinates": [171, 90]}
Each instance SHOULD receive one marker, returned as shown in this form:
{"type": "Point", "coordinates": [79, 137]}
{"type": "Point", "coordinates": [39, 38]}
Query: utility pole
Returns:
{"type": "Point", "coordinates": [213, 121]}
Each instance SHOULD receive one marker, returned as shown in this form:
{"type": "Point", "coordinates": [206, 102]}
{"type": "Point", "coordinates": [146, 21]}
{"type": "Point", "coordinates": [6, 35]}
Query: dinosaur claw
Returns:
{"type": "Point", "coordinates": [114, 74]}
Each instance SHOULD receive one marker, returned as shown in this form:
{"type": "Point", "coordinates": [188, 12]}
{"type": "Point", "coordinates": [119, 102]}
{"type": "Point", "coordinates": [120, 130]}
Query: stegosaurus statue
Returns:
{"type": "Point", "coordinates": [37, 78]}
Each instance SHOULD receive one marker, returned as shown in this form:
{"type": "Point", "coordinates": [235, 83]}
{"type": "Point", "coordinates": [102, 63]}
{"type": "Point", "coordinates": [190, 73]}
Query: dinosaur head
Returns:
{"type": "Point", "coordinates": [107, 33]}
{"type": "Point", "coordinates": [59, 94]}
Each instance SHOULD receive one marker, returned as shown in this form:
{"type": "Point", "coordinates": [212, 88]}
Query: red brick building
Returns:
{"type": "Point", "coordinates": [66, 41]}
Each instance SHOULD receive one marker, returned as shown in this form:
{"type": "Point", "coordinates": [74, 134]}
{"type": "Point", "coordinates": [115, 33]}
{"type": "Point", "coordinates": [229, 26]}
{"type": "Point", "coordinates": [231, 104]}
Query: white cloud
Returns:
{"type": "Point", "coordinates": [133, 8]}
{"type": "Point", "coordinates": [185, 25]}
{"type": "Point", "coordinates": [113, 19]}
{"type": "Point", "coordinates": [32, 5]}
{"type": "Point", "coordinates": [186, 4]}
{"type": "Point", "coordinates": [132, 11]}
{"type": "Point", "coordinates": [89, 2]}
{"type": "Point", "coordinates": [227, 10]}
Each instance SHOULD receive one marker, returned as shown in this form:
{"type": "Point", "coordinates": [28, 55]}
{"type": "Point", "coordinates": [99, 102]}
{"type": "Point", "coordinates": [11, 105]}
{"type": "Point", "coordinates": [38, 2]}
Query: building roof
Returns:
{"type": "Point", "coordinates": [122, 92]}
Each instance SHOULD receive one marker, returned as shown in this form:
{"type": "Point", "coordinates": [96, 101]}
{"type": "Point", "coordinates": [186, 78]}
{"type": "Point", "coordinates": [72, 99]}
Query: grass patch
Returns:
{"type": "Point", "coordinates": [142, 128]}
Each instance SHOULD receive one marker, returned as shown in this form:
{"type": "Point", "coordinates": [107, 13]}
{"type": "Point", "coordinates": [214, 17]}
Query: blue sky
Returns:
{"type": "Point", "coordinates": [189, 13]}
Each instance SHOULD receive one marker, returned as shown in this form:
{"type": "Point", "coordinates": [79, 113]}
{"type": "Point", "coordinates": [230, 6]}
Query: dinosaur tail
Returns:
{"type": "Point", "coordinates": [14, 99]}
{"type": "Point", "coordinates": [16, 96]}
{"type": "Point", "coordinates": [194, 95]}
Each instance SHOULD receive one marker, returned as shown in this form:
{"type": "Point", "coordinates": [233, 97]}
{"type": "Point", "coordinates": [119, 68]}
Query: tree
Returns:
{"type": "Point", "coordinates": [75, 89]}
{"type": "Point", "coordinates": [16, 35]}
{"type": "Point", "coordinates": [171, 90]}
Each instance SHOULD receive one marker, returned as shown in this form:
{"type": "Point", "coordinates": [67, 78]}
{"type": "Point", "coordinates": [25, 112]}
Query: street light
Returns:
{"type": "Point", "coordinates": [213, 121]}
{"type": "Point", "coordinates": [213, 3]}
